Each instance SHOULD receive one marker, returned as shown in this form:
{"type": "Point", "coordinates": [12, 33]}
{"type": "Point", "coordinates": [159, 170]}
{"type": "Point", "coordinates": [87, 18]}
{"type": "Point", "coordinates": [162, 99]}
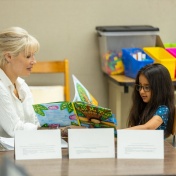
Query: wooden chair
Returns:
{"type": "Point", "coordinates": [54, 67]}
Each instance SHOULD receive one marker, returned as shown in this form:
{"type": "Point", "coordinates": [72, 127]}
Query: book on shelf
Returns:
{"type": "Point", "coordinates": [82, 111]}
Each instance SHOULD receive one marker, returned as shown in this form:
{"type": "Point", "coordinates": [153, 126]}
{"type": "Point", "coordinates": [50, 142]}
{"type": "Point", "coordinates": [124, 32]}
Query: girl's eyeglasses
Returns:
{"type": "Point", "coordinates": [145, 88]}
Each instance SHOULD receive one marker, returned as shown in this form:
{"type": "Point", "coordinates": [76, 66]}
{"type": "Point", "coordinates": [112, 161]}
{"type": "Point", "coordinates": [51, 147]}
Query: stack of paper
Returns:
{"type": "Point", "coordinates": [6, 144]}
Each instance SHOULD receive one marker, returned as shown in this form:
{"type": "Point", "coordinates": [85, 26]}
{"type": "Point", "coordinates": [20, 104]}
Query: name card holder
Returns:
{"type": "Point", "coordinates": [91, 143]}
{"type": "Point", "coordinates": [140, 144]}
{"type": "Point", "coordinates": [39, 144]}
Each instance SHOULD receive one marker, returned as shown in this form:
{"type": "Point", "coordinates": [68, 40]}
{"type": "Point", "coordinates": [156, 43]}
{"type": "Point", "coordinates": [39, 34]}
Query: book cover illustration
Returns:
{"type": "Point", "coordinates": [82, 94]}
{"type": "Point", "coordinates": [56, 114]}
{"type": "Point", "coordinates": [92, 116]}
{"type": "Point", "coordinates": [82, 111]}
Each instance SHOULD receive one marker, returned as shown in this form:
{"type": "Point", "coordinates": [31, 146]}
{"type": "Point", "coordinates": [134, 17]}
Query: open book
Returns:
{"type": "Point", "coordinates": [82, 111]}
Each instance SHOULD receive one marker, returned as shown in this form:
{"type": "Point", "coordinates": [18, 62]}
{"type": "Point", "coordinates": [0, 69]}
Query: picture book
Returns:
{"type": "Point", "coordinates": [82, 94]}
{"type": "Point", "coordinates": [82, 111]}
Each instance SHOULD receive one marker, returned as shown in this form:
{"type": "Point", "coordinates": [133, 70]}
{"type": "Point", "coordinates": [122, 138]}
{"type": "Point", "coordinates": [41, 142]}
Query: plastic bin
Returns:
{"type": "Point", "coordinates": [114, 38]}
{"type": "Point", "coordinates": [170, 45]}
{"type": "Point", "coordinates": [172, 51]}
{"type": "Point", "coordinates": [160, 55]}
{"type": "Point", "coordinates": [131, 64]}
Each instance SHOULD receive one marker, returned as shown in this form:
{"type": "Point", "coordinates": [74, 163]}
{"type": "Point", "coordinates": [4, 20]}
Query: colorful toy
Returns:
{"type": "Point", "coordinates": [113, 63]}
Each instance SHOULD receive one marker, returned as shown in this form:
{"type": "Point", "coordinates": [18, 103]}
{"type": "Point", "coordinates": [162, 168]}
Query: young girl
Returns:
{"type": "Point", "coordinates": [153, 100]}
{"type": "Point", "coordinates": [17, 57]}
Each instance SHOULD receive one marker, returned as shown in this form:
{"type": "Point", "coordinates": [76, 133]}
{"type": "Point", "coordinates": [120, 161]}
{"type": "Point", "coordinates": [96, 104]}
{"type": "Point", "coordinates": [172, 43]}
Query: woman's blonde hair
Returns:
{"type": "Point", "coordinates": [15, 40]}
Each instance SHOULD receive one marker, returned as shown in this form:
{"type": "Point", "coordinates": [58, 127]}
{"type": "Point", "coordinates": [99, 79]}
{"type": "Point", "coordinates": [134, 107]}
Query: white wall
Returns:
{"type": "Point", "coordinates": [66, 29]}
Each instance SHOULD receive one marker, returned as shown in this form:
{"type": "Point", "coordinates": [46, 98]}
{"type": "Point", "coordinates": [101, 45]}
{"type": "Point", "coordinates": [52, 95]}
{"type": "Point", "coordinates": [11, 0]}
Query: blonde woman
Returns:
{"type": "Point", "coordinates": [17, 57]}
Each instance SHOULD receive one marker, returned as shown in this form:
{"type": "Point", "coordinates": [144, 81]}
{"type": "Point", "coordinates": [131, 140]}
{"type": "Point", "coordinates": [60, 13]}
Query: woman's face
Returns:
{"type": "Point", "coordinates": [21, 65]}
{"type": "Point", "coordinates": [145, 91]}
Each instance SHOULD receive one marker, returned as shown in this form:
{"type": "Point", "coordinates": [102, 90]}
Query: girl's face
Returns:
{"type": "Point", "coordinates": [21, 65]}
{"type": "Point", "coordinates": [144, 88]}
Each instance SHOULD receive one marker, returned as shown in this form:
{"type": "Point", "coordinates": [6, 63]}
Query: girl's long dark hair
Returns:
{"type": "Point", "coordinates": [162, 93]}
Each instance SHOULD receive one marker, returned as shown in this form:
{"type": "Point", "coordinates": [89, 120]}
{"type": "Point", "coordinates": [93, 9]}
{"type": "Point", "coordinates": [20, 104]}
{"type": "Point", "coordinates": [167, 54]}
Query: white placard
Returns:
{"type": "Point", "coordinates": [140, 144]}
{"type": "Point", "coordinates": [91, 143]}
{"type": "Point", "coordinates": [39, 144]}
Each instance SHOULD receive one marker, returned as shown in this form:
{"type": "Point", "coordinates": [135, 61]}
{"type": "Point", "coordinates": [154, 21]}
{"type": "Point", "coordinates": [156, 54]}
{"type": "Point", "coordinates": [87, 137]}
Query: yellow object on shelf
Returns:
{"type": "Point", "coordinates": [160, 55]}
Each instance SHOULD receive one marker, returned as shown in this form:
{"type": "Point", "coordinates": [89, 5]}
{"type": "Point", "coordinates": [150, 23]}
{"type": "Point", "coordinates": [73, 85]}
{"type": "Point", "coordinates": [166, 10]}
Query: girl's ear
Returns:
{"type": "Point", "coordinates": [8, 57]}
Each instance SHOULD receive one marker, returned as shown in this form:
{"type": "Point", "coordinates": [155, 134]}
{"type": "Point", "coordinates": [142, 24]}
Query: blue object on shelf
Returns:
{"type": "Point", "coordinates": [132, 65]}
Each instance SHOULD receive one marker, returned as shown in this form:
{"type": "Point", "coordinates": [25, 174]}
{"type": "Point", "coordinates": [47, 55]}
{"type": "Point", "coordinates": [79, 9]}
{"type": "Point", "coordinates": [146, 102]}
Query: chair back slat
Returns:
{"type": "Point", "coordinates": [49, 67]}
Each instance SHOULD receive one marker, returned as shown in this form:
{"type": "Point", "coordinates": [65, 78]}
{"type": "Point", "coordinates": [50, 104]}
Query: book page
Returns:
{"type": "Point", "coordinates": [6, 144]}
{"type": "Point", "coordinates": [56, 114]}
{"type": "Point", "coordinates": [82, 94]}
{"type": "Point", "coordinates": [91, 116]}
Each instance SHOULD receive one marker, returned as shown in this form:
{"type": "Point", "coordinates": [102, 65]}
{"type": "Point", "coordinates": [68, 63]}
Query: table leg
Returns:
{"type": "Point", "coordinates": [120, 103]}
